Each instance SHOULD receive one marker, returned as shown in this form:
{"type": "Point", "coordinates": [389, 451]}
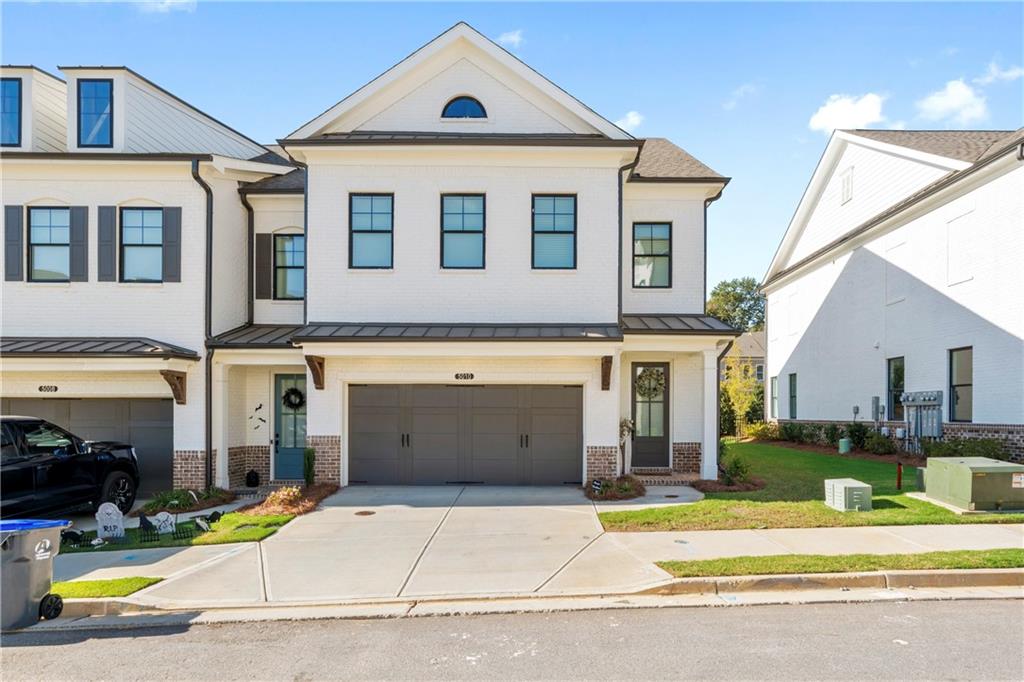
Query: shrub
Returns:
{"type": "Point", "coordinates": [755, 413]}
{"type": "Point", "coordinates": [735, 470]}
{"type": "Point", "coordinates": [308, 468]}
{"type": "Point", "coordinates": [622, 488]}
{"type": "Point", "coordinates": [858, 434]}
{"type": "Point", "coordinates": [792, 432]}
{"type": "Point", "coordinates": [726, 415]}
{"type": "Point", "coordinates": [966, 447]}
{"type": "Point", "coordinates": [289, 496]}
{"type": "Point", "coordinates": [832, 433]}
{"type": "Point", "coordinates": [764, 431]}
{"type": "Point", "coordinates": [182, 500]}
{"type": "Point", "coordinates": [879, 444]}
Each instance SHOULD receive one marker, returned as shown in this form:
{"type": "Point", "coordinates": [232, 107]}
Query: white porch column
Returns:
{"type": "Point", "coordinates": [220, 423]}
{"type": "Point", "coordinates": [709, 447]}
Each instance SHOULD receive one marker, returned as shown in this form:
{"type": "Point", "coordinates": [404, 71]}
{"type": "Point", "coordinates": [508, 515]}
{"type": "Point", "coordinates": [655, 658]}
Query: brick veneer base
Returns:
{"type": "Point", "coordinates": [245, 458]}
{"type": "Point", "coordinates": [328, 458]}
{"type": "Point", "coordinates": [190, 469]}
{"type": "Point", "coordinates": [1010, 435]}
{"type": "Point", "coordinates": [686, 458]}
{"type": "Point", "coordinates": [602, 461]}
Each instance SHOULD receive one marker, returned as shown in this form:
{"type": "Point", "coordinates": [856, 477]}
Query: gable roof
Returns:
{"type": "Point", "coordinates": [750, 345]}
{"type": "Point", "coordinates": [461, 31]}
{"type": "Point", "coordinates": [962, 145]}
{"type": "Point", "coordinates": [662, 160]}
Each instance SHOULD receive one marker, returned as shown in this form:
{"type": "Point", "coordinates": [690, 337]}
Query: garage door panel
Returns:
{"type": "Point", "coordinates": [495, 422]}
{"type": "Point", "coordinates": [555, 397]}
{"type": "Point", "coordinates": [435, 421]}
{"type": "Point", "coordinates": [374, 421]}
{"type": "Point", "coordinates": [375, 396]}
{"type": "Point", "coordinates": [494, 396]}
{"type": "Point", "coordinates": [435, 396]}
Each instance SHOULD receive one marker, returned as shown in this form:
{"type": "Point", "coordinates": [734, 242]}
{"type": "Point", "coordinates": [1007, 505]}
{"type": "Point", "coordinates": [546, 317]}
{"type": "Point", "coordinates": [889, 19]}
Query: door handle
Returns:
{"type": "Point", "coordinates": [408, 440]}
{"type": "Point", "coordinates": [527, 440]}
{"type": "Point", "coordinates": [277, 440]}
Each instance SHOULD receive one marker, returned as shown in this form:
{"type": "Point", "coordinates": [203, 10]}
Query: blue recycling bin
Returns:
{"type": "Point", "coordinates": [27, 549]}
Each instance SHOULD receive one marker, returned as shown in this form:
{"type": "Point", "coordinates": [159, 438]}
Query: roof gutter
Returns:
{"type": "Point", "coordinates": [708, 202]}
{"type": "Point", "coordinates": [208, 314]}
{"type": "Point", "coordinates": [622, 169]}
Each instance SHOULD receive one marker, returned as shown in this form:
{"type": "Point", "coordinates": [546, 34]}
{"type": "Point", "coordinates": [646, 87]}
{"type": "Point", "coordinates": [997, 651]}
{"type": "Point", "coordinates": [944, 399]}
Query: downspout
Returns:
{"type": "Point", "coordinates": [208, 304]}
{"type": "Point", "coordinates": [718, 390]}
{"type": "Point", "coordinates": [305, 236]}
{"type": "Point", "coordinates": [628, 167]}
{"type": "Point", "coordinates": [250, 253]}
{"type": "Point", "coordinates": [708, 202]}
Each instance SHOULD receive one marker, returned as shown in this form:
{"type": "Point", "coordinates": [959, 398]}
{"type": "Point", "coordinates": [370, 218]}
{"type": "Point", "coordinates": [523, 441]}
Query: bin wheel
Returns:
{"type": "Point", "coordinates": [51, 606]}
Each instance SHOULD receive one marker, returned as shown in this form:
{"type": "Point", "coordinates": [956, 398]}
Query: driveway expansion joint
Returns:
{"type": "Point", "coordinates": [427, 544]}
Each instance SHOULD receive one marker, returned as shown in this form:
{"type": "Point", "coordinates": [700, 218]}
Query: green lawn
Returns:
{"type": "Point", "coordinates": [793, 497]}
{"type": "Point", "coordinates": [233, 527]}
{"type": "Point", "coordinates": [819, 563]}
{"type": "Point", "coordinates": [119, 587]}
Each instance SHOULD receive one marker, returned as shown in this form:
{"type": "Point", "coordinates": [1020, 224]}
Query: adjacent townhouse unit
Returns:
{"type": "Point", "coordinates": [464, 275]}
{"type": "Point", "coordinates": [900, 272]}
{"type": "Point", "coordinates": [747, 353]}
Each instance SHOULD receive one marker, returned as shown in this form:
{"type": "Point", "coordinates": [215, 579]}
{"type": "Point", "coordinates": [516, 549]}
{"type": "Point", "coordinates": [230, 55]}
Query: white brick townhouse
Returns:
{"type": "Point", "coordinates": [464, 275]}
{"type": "Point", "coordinates": [901, 271]}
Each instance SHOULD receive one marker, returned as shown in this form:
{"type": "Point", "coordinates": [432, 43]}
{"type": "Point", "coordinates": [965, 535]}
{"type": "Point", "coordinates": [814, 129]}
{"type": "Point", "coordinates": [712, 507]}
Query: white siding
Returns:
{"type": "Point", "coordinates": [682, 206]}
{"type": "Point", "coordinates": [879, 180]}
{"type": "Point", "coordinates": [894, 297]}
{"type": "Point", "coordinates": [48, 112]}
{"type": "Point", "coordinates": [230, 250]}
{"type": "Point", "coordinates": [282, 215]}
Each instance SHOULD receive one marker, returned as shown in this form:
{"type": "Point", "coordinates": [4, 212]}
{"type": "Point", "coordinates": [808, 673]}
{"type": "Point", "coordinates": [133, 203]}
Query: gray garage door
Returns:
{"type": "Point", "coordinates": [146, 423]}
{"type": "Point", "coordinates": [502, 435]}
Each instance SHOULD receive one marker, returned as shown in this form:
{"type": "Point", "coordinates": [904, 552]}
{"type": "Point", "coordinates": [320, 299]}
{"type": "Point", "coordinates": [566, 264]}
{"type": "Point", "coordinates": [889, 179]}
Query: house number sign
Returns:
{"type": "Point", "coordinates": [48, 389]}
{"type": "Point", "coordinates": [464, 376]}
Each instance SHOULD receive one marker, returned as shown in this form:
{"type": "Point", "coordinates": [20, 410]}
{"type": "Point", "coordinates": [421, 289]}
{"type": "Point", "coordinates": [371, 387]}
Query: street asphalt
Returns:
{"type": "Point", "coordinates": [964, 640]}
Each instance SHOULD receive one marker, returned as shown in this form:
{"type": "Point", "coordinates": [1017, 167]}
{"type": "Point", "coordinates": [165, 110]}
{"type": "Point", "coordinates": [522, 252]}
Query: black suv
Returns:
{"type": "Point", "coordinates": [46, 470]}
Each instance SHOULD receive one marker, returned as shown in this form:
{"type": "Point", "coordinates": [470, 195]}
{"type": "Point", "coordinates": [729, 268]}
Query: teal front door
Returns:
{"type": "Point", "coordinates": [289, 425]}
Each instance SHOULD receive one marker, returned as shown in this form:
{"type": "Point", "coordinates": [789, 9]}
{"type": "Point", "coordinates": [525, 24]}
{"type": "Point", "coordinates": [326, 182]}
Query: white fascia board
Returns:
{"type": "Point", "coordinates": [259, 356]}
{"type": "Point", "coordinates": [474, 349]}
{"type": "Point", "coordinates": [468, 154]}
{"type": "Point", "coordinates": [502, 56]}
{"type": "Point", "coordinates": [896, 150]}
{"type": "Point", "coordinates": [118, 365]}
{"type": "Point", "coordinates": [222, 164]}
{"type": "Point", "coordinates": [668, 343]}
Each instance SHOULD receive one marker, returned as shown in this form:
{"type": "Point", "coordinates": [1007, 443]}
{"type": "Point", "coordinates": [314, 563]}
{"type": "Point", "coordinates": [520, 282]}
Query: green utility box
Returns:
{"type": "Point", "coordinates": [975, 483]}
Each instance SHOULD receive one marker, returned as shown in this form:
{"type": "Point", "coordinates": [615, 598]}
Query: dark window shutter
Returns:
{"type": "Point", "coordinates": [172, 244]}
{"type": "Point", "coordinates": [14, 240]}
{"type": "Point", "coordinates": [264, 265]}
{"type": "Point", "coordinates": [79, 244]}
{"type": "Point", "coordinates": [106, 244]}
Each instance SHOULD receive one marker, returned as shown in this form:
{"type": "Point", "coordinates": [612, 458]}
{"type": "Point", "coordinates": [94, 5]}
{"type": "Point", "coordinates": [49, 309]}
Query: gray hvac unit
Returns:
{"type": "Point", "coordinates": [847, 494]}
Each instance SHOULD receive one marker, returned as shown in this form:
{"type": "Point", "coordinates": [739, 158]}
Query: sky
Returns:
{"type": "Point", "coordinates": [752, 90]}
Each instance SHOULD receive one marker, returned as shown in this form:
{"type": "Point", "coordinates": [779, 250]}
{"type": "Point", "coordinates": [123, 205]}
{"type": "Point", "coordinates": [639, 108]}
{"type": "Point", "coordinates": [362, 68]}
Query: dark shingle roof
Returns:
{"type": "Point", "coordinates": [272, 158]}
{"type": "Point", "coordinates": [390, 331]}
{"type": "Point", "coordinates": [662, 160]}
{"type": "Point", "coordinates": [257, 336]}
{"type": "Point", "coordinates": [962, 145]}
{"type": "Point", "coordinates": [289, 183]}
{"type": "Point", "coordinates": [93, 346]}
{"type": "Point", "coordinates": [674, 324]}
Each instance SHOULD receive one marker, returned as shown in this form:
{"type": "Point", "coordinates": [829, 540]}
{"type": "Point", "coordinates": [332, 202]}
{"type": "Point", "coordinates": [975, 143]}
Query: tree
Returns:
{"type": "Point", "coordinates": [744, 391]}
{"type": "Point", "coordinates": [726, 415]}
{"type": "Point", "coordinates": [738, 303]}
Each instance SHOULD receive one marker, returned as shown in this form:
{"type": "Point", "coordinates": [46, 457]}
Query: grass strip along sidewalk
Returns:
{"type": "Point", "coordinates": [793, 497]}
{"type": "Point", "coordinates": [847, 563]}
{"type": "Point", "coordinates": [93, 589]}
{"type": "Point", "coordinates": [231, 528]}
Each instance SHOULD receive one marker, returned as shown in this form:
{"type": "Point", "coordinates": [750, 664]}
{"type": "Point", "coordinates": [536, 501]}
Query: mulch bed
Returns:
{"type": "Point", "coordinates": [706, 486]}
{"type": "Point", "coordinates": [904, 457]}
{"type": "Point", "coordinates": [310, 498]}
{"type": "Point", "coordinates": [622, 488]}
{"type": "Point", "coordinates": [199, 506]}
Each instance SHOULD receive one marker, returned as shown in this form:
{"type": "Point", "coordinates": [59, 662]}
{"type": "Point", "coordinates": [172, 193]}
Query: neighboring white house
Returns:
{"type": "Point", "coordinates": [459, 278]}
{"type": "Point", "coordinates": [901, 271]}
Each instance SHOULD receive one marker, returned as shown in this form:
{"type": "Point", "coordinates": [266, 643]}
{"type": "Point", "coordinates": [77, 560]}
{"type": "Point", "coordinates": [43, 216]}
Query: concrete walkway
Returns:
{"type": "Point", "coordinates": [373, 543]}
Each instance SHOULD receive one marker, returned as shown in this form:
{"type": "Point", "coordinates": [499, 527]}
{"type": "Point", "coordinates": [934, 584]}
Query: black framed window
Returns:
{"type": "Point", "coordinates": [371, 230]}
{"type": "Point", "coordinates": [49, 244]}
{"type": "Point", "coordinates": [95, 112]}
{"type": "Point", "coordinates": [554, 231]}
{"type": "Point", "coordinates": [792, 396]}
{"type": "Point", "coordinates": [773, 403]}
{"type": "Point", "coordinates": [463, 218]}
{"type": "Point", "coordinates": [652, 255]}
{"type": "Point", "coordinates": [142, 244]}
{"type": "Point", "coordinates": [759, 373]}
{"type": "Point", "coordinates": [895, 386]}
{"type": "Point", "coordinates": [961, 384]}
{"type": "Point", "coordinates": [10, 112]}
{"type": "Point", "coordinates": [464, 107]}
{"type": "Point", "coordinates": [289, 266]}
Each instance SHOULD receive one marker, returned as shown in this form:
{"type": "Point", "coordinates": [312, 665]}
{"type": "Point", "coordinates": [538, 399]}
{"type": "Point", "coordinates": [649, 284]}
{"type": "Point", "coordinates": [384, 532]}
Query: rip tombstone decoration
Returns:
{"type": "Point", "coordinates": [109, 521]}
{"type": "Point", "coordinates": [164, 523]}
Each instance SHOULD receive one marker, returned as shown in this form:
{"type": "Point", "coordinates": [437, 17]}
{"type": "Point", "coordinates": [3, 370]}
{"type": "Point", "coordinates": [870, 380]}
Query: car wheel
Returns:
{"type": "Point", "coordinates": [119, 488]}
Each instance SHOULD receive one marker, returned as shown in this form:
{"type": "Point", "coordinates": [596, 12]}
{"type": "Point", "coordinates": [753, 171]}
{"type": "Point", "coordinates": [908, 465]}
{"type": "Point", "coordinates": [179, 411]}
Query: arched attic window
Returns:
{"type": "Point", "coordinates": [464, 107]}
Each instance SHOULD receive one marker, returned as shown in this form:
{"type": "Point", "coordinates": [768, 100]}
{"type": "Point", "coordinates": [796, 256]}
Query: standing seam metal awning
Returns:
{"type": "Point", "coordinates": [675, 324]}
{"type": "Point", "coordinates": [95, 347]}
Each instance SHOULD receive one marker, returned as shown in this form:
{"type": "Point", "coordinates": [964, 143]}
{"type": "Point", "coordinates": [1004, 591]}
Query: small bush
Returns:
{"type": "Point", "coordinates": [966, 447]}
{"type": "Point", "coordinates": [879, 444]}
{"type": "Point", "coordinates": [308, 465]}
{"type": "Point", "coordinates": [832, 434]}
{"type": "Point", "coordinates": [181, 500]}
{"type": "Point", "coordinates": [858, 434]}
{"type": "Point", "coordinates": [764, 431]}
{"type": "Point", "coordinates": [622, 488]}
{"type": "Point", "coordinates": [735, 470]}
{"type": "Point", "coordinates": [792, 432]}
{"type": "Point", "coordinates": [293, 500]}
{"type": "Point", "coordinates": [726, 415]}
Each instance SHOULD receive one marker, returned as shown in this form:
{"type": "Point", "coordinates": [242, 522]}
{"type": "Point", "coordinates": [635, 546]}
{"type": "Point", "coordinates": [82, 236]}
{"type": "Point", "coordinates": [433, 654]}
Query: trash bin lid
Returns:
{"type": "Point", "coordinates": [25, 525]}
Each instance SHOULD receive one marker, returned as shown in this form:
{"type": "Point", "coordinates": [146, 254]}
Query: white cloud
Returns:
{"type": "Point", "coordinates": [848, 111]}
{"type": "Point", "coordinates": [745, 90]}
{"type": "Point", "coordinates": [511, 39]}
{"type": "Point", "coordinates": [994, 73]}
{"type": "Point", "coordinates": [897, 125]}
{"type": "Point", "coordinates": [166, 6]}
{"type": "Point", "coordinates": [631, 121]}
{"type": "Point", "coordinates": [957, 103]}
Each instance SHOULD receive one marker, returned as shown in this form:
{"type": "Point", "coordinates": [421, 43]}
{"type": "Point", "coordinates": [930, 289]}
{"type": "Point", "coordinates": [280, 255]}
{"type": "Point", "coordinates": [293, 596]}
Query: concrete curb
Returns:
{"type": "Point", "coordinates": [881, 580]}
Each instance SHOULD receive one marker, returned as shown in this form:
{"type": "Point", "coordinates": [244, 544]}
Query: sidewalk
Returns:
{"type": "Point", "coordinates": [610, 564]}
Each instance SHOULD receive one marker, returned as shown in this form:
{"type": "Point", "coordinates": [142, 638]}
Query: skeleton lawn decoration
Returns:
{"type": "Point", "coordinates": [109, 521]}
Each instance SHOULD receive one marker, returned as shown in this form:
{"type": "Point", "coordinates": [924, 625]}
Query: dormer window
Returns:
{"type": "Point", "coordinates": [464, 107]}
{"type": "Point", "coordinates": [10, 112]}
{"type": "Point", "coordinates": [95, 112]}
